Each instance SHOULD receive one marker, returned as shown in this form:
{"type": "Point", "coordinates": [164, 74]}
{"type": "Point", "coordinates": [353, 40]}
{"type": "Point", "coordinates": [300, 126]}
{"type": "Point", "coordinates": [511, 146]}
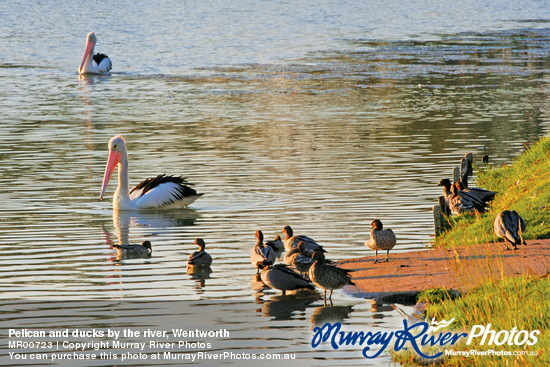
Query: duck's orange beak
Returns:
{"type": "Point", "coordinates": [114, 158]}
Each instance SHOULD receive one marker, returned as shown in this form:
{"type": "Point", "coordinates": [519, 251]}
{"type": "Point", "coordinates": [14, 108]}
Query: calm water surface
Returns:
{"type": "Point", "coordinates": [323, 117]}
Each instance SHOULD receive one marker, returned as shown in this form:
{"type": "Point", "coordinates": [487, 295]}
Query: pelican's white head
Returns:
{"type": "Point", "coordinates": [91, 40]}
{"type": "Point", "coordinates": [117, 151]}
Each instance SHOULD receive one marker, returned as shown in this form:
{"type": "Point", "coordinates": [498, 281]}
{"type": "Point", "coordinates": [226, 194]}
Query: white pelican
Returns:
{"type": "Point", "coordinates": [161, 192]}
{"type": "Point", "coordinates": [94, 64]}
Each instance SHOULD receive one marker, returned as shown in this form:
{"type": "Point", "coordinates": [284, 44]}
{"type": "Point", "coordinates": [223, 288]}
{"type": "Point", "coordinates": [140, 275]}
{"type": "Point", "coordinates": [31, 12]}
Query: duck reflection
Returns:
{"type": "Point", "coordinates": [331, 314]}
{"type": "Point", "coordinates": [199, 273]}
{"type": "Point", "coordinates": [257, 284]}
{"type": "Point", "coordinates": [284, 307]}
{"type": "Point", "coordinates": [380, 310]}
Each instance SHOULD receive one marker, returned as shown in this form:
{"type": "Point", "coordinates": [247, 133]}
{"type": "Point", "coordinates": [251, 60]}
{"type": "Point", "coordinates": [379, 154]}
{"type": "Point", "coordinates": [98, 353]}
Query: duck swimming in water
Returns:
{"type": "Point", "coordinates": [380, 239]}
{"type": "Point", "coordinates": [261, 255]}
{"type": "Point", "coordinates": [142, 251]}
{"type": "Point", "coordinates": [510, 226]}
{"type": "Point", "coordinates": [201, 257]}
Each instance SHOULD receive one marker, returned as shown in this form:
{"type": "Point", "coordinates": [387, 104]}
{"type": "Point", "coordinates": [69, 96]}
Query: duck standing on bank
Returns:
{"type": "Point", "coordinates": [142, 251]}
{"type": "Point", "coordinates": [201, 257]}
{"type": "Point", "coordinates": [281, 277]}
{"type": "Point", "coordinates": [380, 239]}
{"type": "Point", "coordinates": [261, 255]}
{"type": "Point", "coordinates": [327, 276]}
{"type": "Point", "coordinates": [510, 226]}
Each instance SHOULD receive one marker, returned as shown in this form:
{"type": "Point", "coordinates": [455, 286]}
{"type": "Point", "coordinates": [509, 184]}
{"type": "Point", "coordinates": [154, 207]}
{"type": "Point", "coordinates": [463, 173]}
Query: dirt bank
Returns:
{"type": "Point", "coordinates": [460, 269]}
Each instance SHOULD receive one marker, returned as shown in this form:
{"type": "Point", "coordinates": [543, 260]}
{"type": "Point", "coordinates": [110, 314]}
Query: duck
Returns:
{"type": "Point", "coordinates": [281, 277]}
{"type": "Point", "coordinates": [485, 196]}
{"type": "Point", "coordinates": [510, 226]}
{"type": "Point", "coordinates": [461, 202]}
{"type": "Point", "coordinates": [297, 259]}
{"type": "Point", "coordinates": [276, 244]}
{"type": "Point", "coordinates": [261, 255]}
{"type": "Point", "coordinates": [201, 257]}
{"type": "Point", "coordinates": [328, 276]}
{"type": "Point", "coordinates": [142, 251]}
{"type": "Point", "coordinates": [446, 183]}
{"type": "Point", "coordinates": [380, 239]}
{"type": "Point", "coordinates": [291, 241]}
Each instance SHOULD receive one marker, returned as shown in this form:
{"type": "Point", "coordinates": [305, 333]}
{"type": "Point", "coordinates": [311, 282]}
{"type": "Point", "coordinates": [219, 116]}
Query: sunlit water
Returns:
{"type": "Point", "coordinates": [321, 116]}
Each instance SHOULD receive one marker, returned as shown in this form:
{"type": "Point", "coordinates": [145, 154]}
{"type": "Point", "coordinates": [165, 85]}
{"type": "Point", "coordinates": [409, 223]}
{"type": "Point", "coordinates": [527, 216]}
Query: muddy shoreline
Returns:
{"type": "Point", "coordinates": [458, 269]}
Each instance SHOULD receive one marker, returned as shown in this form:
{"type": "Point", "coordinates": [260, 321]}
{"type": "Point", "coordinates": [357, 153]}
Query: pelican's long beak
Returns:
{"type": "Point", "coordinates": [114, 158]}
{"type": "Point", "coordinates": [87, 53]}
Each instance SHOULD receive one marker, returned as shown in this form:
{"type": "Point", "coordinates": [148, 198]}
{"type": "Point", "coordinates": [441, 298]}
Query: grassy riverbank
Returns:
{"type": "Point", "coordinates": [523, 186]}
{"type": "Point", "coordinates": [520, 302]}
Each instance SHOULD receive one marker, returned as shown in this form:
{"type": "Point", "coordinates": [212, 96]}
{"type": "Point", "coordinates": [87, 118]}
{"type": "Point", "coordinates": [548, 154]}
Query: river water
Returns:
{"type": "Point", "coordinates": [321, 116]}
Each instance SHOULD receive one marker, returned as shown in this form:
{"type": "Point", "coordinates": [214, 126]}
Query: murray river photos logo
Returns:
{"type": "Point", "coordinates": [419, 335]}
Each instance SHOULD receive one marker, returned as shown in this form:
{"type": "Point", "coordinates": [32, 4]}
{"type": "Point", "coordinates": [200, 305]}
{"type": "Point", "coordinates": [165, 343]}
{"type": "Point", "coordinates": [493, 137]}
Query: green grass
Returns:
{"type": "Point", "coordinates": [520, 302]}
{"type": "Point", "coordinates": [523, 186]}
{"type": "Point", "coordinates": [435, 295]}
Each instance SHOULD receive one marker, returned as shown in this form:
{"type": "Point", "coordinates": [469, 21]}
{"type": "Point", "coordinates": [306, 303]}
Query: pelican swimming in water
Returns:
{"type": "Point", "coordinates": [160, 192]}
{"type": "Point", "coordinates": [94, 63]}
{"type": "Point", "coordinates": [328, 276]}
{"type": "Point", "coordinates": [510, 226]}
{"type": "Point", "coordinates": [380, 239]}
{"type": "Point", "coordinates": [134, 251]}
{"type": "Point", "coordinates": [201, 257]}
{"type": "Point", "coordinates": [261, 255]}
